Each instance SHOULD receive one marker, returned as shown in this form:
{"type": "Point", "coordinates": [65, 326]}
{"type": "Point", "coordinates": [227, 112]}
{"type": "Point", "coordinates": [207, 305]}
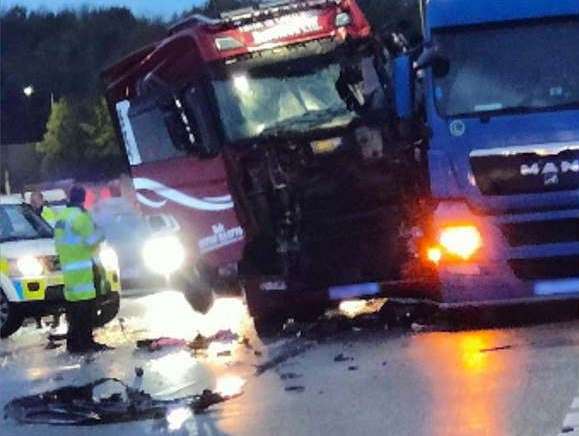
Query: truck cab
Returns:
{"type": "Point", "coordinates": [269, 135]}
{"type": "Point", "coordinates": [501, 99]}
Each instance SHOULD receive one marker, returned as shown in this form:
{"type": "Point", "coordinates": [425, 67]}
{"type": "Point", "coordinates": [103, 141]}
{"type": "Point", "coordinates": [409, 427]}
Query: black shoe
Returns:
{"type": "Point", "coordinates": [96, 347]}
{"type": "Point", "coordinates": [74, 350]}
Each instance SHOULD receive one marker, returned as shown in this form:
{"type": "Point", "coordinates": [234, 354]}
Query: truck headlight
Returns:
{"type": "Point", "coordinates": [30, 266]}
{"type": "Point", "coordinates": [462, 241]}
{"type": "Point", "coordinates": [164, 254]}
{"type": "Point", "coordinates": [108, 258]}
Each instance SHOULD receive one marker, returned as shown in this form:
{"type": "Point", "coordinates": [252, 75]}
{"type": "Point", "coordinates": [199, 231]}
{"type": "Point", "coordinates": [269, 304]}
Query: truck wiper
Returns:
{"type": "Point", "coordinates": [494, 112]}
{"type": "Point", "coordinates": [517, 110]}
{"type": "Point", "coordinates": [568, 105]}
{"type": "Point", "coordinates": [305, 123]}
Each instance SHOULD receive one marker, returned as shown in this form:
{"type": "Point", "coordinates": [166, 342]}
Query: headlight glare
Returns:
{"type": "Point", "coordinates": [164, 254]}
{"type": "Point", "coordinates": [462, 241]}
{"type": "Point", "coordinates": [30, 266]}
{"type": "Point", "coordinates": [109, 258]}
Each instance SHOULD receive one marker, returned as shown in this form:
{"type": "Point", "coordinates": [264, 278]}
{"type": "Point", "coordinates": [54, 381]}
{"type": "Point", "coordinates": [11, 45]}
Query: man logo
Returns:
{"type": "Point", "coordinates": [551, 179]}
{"type": "Point", "coordinates": [545, 168]}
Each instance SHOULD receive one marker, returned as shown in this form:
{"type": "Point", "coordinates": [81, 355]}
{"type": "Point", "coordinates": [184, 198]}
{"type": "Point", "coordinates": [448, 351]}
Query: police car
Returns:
{"type": "Point", "coordinates": [31, 282]}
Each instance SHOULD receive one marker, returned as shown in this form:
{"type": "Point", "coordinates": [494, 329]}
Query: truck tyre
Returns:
{"type": "Point", "coordinates": [108, 311]}
{"type": "Point", "coordinates": [268, 326]}
{"type": "Point", "coordinates": [10, 317]}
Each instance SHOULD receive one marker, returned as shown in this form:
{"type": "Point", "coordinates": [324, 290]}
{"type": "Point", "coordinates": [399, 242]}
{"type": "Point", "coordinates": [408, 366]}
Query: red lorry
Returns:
{"type": "Point", "coordinates": [268, 136]}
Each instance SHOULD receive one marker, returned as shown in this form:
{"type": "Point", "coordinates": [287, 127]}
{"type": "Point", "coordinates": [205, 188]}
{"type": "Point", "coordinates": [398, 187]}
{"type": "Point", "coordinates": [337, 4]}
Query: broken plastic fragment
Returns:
{"type": "Point", "coordinates": [295, 388]}
{"type": "Point", "coordinates": [341, 358]}
{"type": "Point", "coordinates": [102, 402]}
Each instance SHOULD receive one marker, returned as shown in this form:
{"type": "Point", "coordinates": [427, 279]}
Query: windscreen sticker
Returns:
{"type": "Point", "coordinates": [283, 27]}
{"type": "Point", "coordinates": [220, 238]}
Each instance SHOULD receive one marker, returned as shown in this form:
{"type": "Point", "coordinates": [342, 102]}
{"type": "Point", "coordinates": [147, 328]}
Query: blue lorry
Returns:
{"type": "Point", "coordinates": [499, 91]}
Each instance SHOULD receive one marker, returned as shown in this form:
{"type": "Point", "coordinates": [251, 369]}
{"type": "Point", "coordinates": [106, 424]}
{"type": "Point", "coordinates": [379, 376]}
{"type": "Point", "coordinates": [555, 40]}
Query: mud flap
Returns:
{"type": "Point", "coordinates": [197, 291]}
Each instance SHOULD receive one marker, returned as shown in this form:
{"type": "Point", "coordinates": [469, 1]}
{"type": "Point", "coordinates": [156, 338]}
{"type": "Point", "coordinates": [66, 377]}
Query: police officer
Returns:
{"type": "Point", "coordinates": [39, 205]}
{"type": "Point", "coordinates": [77, 239]}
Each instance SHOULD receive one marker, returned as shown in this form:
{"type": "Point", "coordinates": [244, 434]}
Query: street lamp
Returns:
{"type": "Point", "coordinates": [28, 90]}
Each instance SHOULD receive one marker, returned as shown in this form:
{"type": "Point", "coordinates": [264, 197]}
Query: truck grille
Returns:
{"type": "Point", "coordinates": [541, 232]}
{"type": "Point", "coordinates": [526, 170]}
{"type": "Point", "coordinates": [54, 293]}
{"type": "Point", "coordinates": [546, 268]}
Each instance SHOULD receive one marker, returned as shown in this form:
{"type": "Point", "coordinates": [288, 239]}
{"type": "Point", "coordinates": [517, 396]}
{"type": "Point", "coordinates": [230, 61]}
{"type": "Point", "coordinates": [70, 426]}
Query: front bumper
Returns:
{"type": "Point", "coordinates": [50, 288]}
{"type": "Point", "coordinates": [525, 257]}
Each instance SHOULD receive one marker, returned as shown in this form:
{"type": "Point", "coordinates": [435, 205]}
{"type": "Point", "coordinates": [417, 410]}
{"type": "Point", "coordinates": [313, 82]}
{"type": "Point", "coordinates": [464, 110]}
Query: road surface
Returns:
{"type": "Point", "coordinates": [345, 378]}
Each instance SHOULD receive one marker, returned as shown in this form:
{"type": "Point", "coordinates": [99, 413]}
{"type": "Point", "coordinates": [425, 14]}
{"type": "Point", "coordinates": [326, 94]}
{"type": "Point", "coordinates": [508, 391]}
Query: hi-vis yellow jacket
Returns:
{"type": "Point", "coordinates": [76, 241]}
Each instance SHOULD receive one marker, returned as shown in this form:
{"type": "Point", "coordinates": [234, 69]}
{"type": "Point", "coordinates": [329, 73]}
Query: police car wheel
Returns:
{"type": "Point", "coordinates": [10, 318]}
{"type": "Point", "coordinates": [107, 312]}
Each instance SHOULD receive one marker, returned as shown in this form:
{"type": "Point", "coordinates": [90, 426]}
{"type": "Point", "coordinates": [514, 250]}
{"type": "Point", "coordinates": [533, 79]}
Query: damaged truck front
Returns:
{"type": "Point", "coordinates": [268, 134]}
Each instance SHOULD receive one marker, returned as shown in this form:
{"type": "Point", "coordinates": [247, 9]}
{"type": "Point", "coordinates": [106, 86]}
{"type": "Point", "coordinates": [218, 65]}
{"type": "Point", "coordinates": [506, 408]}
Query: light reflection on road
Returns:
{"type": "Point", "coordinates": [468, 373]}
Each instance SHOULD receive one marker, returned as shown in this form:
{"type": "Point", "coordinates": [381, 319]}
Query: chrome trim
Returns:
{"type": "Point", "coordinates": [540, 149]}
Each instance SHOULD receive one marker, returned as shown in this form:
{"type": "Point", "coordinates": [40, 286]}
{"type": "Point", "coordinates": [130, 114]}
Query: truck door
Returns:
{"type": "Point", "coordinates": [180, 175]}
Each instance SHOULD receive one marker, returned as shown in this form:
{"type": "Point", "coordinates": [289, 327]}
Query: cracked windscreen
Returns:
{"type": "Point", "coordinates": [523, 67]}
{"type": "Point", "coordinates": [293, 96]}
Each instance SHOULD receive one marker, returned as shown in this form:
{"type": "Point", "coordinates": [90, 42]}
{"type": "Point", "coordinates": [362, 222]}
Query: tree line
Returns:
{"type": "Point", "coordinates": [58, 56]}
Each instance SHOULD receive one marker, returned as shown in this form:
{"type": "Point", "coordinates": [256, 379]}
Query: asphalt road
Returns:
{"type": "Point", "coordinates": [339, 377]}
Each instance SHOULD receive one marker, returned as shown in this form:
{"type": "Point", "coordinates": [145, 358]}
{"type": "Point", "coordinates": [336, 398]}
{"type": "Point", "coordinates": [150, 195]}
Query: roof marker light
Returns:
{"type": "Point", "coordinates": [227, 43]}
{"type": "Point", "coordinates": [343, 19]}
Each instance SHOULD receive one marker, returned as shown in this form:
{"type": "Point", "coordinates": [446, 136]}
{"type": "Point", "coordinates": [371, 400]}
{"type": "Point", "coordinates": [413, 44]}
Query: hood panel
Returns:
{"type": "Point", "coordinates": [34, 247]}
{"type": "Point", "coordinates": [508, 162]}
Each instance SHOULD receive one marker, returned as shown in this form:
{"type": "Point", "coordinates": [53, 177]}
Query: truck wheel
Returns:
{"type": "Point", "coordinates": [268, 326]}
{"type": "Point", "coordinates": [107, 311]}
{"type": "Point", "coordinates": [10, 318]}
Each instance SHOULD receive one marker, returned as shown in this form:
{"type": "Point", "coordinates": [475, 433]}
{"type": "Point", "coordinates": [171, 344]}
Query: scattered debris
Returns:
{"type": "Point", "coordinates": [420, 328]}
{"type": "Point", "coordinates": [160, 343]}
{"type": "Point", "coordinates": [352, 368]}
{"type": "Point", "coordinates": [341, 358]}
{"type": "Point", "coordinates": [291, 349]}
{"type": "Point", "coordinates": [289, 376]}
{"type": "Point", "coordinates": [199, 343]}
{"type": "Point", "coordinates": [296, 388]}
{"type": "Point", "coordinates": [500, 348]}
{"type": "Point", "coordinates": [117, 402]}
{"type": "Point", "coordinates": [224, 336]}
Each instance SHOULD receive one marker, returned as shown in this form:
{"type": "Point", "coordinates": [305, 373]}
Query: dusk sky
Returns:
{"type": "Point", "coordinates": [150, 8]}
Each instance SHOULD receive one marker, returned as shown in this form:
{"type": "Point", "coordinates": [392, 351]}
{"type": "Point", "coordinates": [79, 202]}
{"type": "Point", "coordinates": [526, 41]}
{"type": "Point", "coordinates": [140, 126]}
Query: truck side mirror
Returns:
{"type": "Point", "coordinates": [403, 86]}
{"type": "Point", "coordinates": [432, 57]}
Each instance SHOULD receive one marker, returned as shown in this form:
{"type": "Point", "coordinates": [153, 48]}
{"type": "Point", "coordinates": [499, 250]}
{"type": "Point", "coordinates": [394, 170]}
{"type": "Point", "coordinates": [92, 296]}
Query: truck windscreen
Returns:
{"type": "Point", "coordinates": [509, 69]}
{"type": "Point", "coordinates": [289, 97]}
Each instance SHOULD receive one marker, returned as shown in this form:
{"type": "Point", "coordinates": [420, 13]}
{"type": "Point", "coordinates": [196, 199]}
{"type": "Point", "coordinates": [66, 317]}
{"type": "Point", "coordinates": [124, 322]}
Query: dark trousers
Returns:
{"type": "Point", "coordinates": [80, 316]}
